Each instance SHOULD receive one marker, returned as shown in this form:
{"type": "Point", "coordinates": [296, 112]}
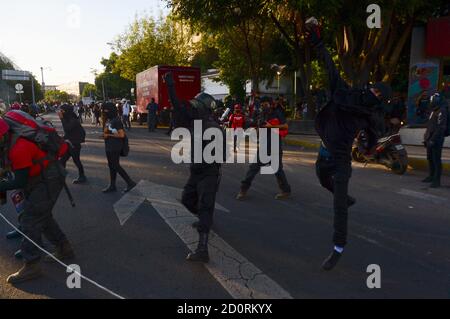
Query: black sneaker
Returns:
{"type": "Point", "coordinates": [428, 180]}
{"type": "Point", "coordinates": [435, 185]}
{"type": "Point", "coordinates": [130, 187]}
{"type": "Point", "coordinates": [200, 256]}
{"type": "Point", "coordinates": [110, 189]}
{"type": "Point", "coordinates": [13, 235]}
{"type": "Point", "coordinates": [331, 261]}
{"type": "Point", "coordinates": [351, 201]}
{"type": "Point", "coordinates": [80, 180]}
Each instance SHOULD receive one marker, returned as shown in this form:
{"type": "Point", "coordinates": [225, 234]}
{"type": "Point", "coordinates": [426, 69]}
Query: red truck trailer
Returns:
{"type": "Point", "coordinates": [150, 84]}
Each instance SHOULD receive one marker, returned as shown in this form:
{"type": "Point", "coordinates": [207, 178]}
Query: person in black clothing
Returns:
{"type": "Point", "coordinates": [80, 111]}
{"type": "Point", "coordinates": [75, 134]}
{"type": "Point", "coordinates": [338, 122]}
{"type": "Point", "coordinates": [271, 113]}
{"type": "Point", "coordinates": [434, 138]}
{"type": "Point", "coordinates": [199, 194]}
{"type": "Point", "coordinates": [114, 135]}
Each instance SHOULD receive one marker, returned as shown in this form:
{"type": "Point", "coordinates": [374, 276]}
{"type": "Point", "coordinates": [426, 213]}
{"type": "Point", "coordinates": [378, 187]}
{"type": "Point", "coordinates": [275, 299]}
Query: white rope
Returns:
{"type": "Point", "coordinates": [60, 262]}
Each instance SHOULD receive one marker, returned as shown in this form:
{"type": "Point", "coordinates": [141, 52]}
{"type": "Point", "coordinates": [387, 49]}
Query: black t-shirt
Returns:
{"type": "Point", "coordinates": [114, 144]}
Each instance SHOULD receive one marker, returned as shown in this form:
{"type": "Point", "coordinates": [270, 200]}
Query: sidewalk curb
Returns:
{"type": "Point", "coordinates": [415, 163]}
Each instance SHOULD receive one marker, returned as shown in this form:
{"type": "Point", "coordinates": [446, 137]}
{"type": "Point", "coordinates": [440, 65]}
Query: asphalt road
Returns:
{"type": "Point", "coordinates": [397, 223]}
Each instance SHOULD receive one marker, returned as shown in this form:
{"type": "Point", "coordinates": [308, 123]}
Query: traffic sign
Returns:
{"type": "Point", "coordinates": [19, 87]}
{"type": "Point", "coordinates": [20, 92]}
{"type": "Point", "coordinates": [13, 75]}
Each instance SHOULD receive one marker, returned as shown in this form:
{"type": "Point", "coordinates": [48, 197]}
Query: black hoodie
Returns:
{"type": "Point", "coordinates": [73, 131]}
{"type": "Point", "coordinates": [348, 112]}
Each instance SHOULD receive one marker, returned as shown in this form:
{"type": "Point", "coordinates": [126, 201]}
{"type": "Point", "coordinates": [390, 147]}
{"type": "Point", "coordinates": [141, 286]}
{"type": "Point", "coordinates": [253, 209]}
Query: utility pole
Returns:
{"type": "Point", "coordinates": [43, 83]}
{"type": "Point", "coordinates": [32, 89]}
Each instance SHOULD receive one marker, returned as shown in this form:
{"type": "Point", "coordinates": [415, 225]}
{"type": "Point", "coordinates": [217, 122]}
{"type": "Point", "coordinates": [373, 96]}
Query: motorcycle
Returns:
{"type": "Point", "coordinates": [389, 151]}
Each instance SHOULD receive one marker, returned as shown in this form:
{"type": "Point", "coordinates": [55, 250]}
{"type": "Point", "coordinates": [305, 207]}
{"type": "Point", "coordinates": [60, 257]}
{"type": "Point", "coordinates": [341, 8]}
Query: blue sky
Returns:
{"type": "Point", "coordinates": [66, 37]}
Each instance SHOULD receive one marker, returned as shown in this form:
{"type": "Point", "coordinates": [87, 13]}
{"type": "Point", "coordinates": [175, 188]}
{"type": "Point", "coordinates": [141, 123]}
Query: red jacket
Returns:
{"type": "Point", "coordinates": [237, 120]}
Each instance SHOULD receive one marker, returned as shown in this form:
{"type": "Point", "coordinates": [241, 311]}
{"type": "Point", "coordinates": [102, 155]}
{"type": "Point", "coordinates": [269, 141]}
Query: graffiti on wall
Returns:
{"type": "Point", "coordinates": [423, 81]}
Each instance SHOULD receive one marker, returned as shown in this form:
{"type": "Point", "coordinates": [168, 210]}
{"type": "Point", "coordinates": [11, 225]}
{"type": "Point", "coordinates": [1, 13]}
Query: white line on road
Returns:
{"type": "Point", "coordinates": [129, 204]}
{"type": "Point", "coordinates": [234, 272]}
{"type": "Point", "coordinates": [419, 195]}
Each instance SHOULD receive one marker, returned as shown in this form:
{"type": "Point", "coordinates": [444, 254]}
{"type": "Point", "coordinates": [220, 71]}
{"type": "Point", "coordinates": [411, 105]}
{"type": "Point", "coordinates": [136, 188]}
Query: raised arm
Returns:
{"type": "Point", "coordinates": [314, 38]}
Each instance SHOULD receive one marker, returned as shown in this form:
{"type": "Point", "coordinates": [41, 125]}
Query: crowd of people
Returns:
{"type": "Point", "coordinates": [41, 172]}
{"type": "Point", "coordinates": [37, 158]}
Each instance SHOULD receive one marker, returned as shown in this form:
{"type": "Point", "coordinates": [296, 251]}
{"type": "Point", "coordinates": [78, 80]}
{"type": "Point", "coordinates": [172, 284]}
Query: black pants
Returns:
{"type": "Point", "coordinates": [126, 121]}
{"type": "Point", "coordinates": [280, 175]}
{"type": "Point", "coordinates": [199, 196]}
{"type": "Point", "coordinates": [334, 174]}
{"type": "Point", "coordinates": [115, 167]}
{"type": "Point", "coordinates": [152, 122]}
{"type": "Point", "coordinates": [74, 152]}
{"type": "Point", "coordinates": [434, 156]}
{"type": "Point", "coordinates": [37, 219]}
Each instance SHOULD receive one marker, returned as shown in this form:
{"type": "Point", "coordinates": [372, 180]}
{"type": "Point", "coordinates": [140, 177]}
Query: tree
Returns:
{"type": "Point", "coordinates": [373, 54]}
{"type": "Point", "coordinates": [90, 90]}
{"type": "Point", "coordinates": [110, 82]}
{"type": "Point", "coordinates": [147, 43]}
{"type": "Point", "coordinates": [56, 96]}
{"type": "Point", "coordinates": [237, 27]}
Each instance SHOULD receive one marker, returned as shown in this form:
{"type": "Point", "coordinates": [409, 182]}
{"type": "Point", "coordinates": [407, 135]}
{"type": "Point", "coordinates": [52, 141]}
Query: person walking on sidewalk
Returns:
{"type": "Point", "coordinates": [114, 135]}
{"type": "Point", "coordinates": [76, 135]}
{"type": "Point", "coordinates": [437, 130]}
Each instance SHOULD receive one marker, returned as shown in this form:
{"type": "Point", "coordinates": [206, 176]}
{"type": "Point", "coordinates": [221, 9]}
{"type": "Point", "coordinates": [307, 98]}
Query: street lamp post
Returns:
{"type": "Point", "coordinates": [279, 69]}
{"type": "Point", "coordinates": [278, 74]}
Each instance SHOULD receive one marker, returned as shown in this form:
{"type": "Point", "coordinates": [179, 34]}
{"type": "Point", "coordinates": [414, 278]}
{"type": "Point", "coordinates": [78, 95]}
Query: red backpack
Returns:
{"type": "Point", "coordinates": [40, 132]}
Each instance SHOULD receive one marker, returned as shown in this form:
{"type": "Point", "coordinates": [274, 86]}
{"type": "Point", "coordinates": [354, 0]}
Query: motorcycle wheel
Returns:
{"type": "Point", "coordinates": [400, 165]}
{"type": "Point", "coordinates": [357, 156]}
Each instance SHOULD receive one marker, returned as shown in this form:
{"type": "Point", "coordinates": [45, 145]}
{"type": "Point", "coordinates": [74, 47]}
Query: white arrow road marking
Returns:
{"type": "Point", "coordinates": [419, 195]}
{"type": "Point", "coordinates": [129, 203]}
{"type": "Point", "coordinates": [234, 272]}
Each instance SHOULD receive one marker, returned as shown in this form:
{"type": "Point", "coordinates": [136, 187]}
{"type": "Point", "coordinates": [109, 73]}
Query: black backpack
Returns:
{"type": "Point", "coordinates": [125, 148]}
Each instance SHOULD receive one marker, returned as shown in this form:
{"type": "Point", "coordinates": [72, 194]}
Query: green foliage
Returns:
{"type": "Point", "coordinates": [147, 43]}
{"type": "Point", "coordinates": [110, 81]}
{"type": "Point", "coordinates": [56, 96]}
{"type": "Point", "coordinates": [89, 90]}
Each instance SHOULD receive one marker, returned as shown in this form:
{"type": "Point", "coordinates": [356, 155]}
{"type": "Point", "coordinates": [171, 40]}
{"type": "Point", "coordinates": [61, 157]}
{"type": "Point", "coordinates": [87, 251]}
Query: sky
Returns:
{"type": "Point", "coordinates": [67, 38]}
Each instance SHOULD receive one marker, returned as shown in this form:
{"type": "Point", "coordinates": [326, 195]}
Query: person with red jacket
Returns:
{"type": "Point", "coordinates": [236, 121]}
{"type": "Point", "coordinates": [41, 178]}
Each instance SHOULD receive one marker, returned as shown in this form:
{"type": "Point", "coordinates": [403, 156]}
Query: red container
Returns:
{"type": "Point", "coordinates": [150, 84]}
